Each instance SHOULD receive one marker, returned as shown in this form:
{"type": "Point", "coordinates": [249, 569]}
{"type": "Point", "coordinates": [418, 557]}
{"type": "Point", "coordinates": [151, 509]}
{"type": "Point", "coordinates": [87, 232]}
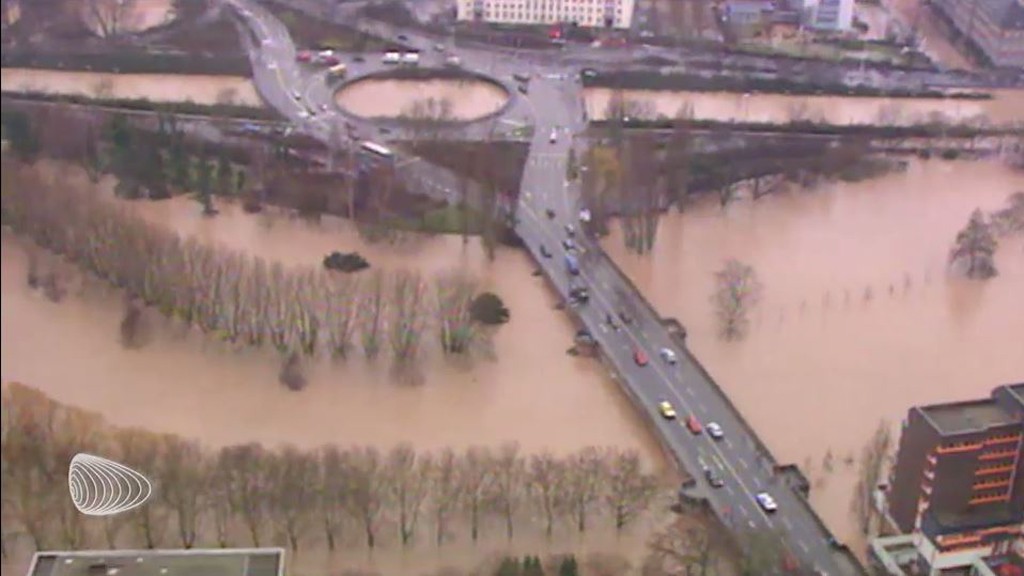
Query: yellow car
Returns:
{"type": "Point", "coordinates": [667, 410]}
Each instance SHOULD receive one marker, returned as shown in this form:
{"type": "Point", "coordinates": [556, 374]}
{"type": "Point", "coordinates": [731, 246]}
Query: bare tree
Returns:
{"type": "Point", "coordinates": [293, 482]}
{"type": "Point", "coordinates": [444, 492]}
{"type": "Point", "coordinates": [110, 17]}
{"type": "Point", "coordinates": [872, 463]}
{"type": "Point", "coordinates": [407, 318]}
{"type": "Point", "coordinates": [367, 491]}
{"type": "Point", "coordinates": [737, 291]}
{"type": "Point", "coordinates": [641, 194]}
{"type": "Point", "coordinates": [142, 450]}
{"type": "Point", "coordinates": [547, 481]}
{"type": "Point", "coordinates": [475, 478]}
{"type": "Point", "coordinates": [686, 547]}
{"type": "Point", "coordinates": [409, 480]}
{"type": "Point", "coordinates": [454, 292]}
{"type": "Point", "coordinates": [184, 485]}
{"type": "Point", "coordinates": [332, 485]}
{"type": "Point", "coordinates": [630, 489]}
{"type": "Point", "coordinates": [509, 484]}
{"type": "Point", "coordinates": [371, 314]}
{"type": "Point", "coordinates": [976, 244]}
{"type": "Point", "coordinates": [586, 477]}
{"type": "Point", "coordinates": [246, 467]}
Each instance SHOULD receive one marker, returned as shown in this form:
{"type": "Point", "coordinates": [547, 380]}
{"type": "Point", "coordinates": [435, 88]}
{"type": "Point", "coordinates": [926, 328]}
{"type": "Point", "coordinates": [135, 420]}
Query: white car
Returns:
{"type": "Point", "coordinates": [668, 356]}
{"type": "Point", "coordinates": [554, 136]}
{"type": "Point", "coordinates": [296, 94]}
{"type": "Point", "coordinates": [715, 431]}
{"type": "Point", "coordinates": [766, 502]}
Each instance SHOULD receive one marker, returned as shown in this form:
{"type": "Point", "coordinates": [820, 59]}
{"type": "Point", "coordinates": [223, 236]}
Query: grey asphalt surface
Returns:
{"type": "Point", "coordinates": [554, 104]}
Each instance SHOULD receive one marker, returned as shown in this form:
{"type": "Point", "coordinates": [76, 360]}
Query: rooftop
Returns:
{"type": "Point", "coordinates": [211, 562]}
{"type": "Point", "coordinates": [968, 416]}
{"type": "Point", "coordinates": [1008, 14]}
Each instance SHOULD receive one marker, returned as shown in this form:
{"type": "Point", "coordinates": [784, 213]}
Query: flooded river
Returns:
{"type": "Point", "coordinates": [197, 88]}
{"type": "Point", "coordinates": [859, 319]}
{"type": "Point", "coordinates": [532, 392]}
{"type": "Point", "coordinates": [1006, 107]}
{"type": "Point", "coordinates": [463, 99]}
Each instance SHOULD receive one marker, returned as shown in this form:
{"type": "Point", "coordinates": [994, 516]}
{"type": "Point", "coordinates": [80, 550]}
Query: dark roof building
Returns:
{"type": "Point", "coordinates": [958, 481]}
{"type": "Point", "coordinates": [994, 27]}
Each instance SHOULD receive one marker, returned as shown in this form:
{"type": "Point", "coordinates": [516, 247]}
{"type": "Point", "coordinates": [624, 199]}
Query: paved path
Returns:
{"type": "Point", "coordinates": [554, 107]}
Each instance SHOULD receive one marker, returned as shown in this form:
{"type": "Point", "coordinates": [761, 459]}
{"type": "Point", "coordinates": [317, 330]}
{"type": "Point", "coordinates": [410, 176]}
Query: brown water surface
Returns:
{"type": "Point", "coordinates": [1006, 107]}
{"type": "Point", "coordinates": [198, 88]}
{"type": "Point", "coordinates": [379, 98]}
{"type": "Point", "coordinates": [859, 320]}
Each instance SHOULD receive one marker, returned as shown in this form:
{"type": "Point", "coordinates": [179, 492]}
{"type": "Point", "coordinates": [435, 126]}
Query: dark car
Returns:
{"type": "Point", "coordinates": [358, 58]}
{"type": "Point", "coordinates": [626, 318]}
{"type": "Point", "coordinates": [523, 89]}
{"type": "Point", "coordinates": [714, 479]}
{"type": "Point", "coordinates": [544, 251]}
{"type": "Point", "coordinates": [403, 37]}
{"type": "Point", "coordinates": [550, 213]}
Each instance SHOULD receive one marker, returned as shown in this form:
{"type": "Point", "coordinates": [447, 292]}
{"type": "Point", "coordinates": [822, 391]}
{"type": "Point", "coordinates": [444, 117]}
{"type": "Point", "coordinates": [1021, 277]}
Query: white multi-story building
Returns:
{"type": "Point", "coordinates": [588, 13]}
{"type": "Point", "coordinates": [836, 15]}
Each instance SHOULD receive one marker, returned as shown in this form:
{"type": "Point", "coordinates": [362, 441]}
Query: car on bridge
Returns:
{"type": "Point", "coordinates": [544, 251]}
{"type": "Point", "coordinates": [640, 357]}
{"type": "Point", "coordinates": [568, 244]}
{"type": "Point", "coordinates": [666, 409]}
{"type": "Point", "coordinates": [715, 431]}
{"type": "Point", "coordinates": [713, 479]}
{"type": "Point", "coordinates": [693, 425]}
{"type": "Point", "coordinates": [668, 356]}
{"type": "Point", "coordinates": [554, 136]}
{"type": "Point", "coordinates": [766, 502]}
{"type": "Point", "coordinates": [570, 230]}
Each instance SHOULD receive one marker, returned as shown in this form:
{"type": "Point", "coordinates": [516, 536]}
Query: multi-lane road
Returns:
{"type": "Point", "coordinates": [554, 107]}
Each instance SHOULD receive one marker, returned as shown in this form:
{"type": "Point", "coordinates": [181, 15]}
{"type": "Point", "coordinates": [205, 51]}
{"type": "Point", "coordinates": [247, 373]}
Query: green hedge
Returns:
{"type": "Point", "coordinates": [142, 105]}
{"type": "Point", "coordinates": [645, 79]}
{"type": "Point", "coordinates": [130, 62]}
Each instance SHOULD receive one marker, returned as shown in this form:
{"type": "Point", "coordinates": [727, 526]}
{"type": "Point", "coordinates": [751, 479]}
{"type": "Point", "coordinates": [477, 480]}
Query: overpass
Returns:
{"type": "Point", "coordinates": [555, 108]}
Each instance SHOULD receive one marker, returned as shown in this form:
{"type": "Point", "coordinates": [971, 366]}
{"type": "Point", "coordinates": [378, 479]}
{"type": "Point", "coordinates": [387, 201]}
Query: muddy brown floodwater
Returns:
{"type": "Point", "coordinates": [859, 320]}
{"type": "Point", "coordinates": [1006, 107]}
{"type": "Point", "coordinates": [532, 392]}
{"type": "Point", "coordinates": [198, 88]}
{"type": "Point", "coordinates": [380, 98]}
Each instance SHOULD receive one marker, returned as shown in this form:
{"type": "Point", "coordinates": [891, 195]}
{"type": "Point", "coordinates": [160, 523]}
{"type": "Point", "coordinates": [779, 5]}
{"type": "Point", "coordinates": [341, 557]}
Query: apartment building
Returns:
{"type": "Point", "coordinates": [587, 13]}
{"type": "Point", "coordinates": [958, 482]}
{"type": "Point", "coordinates": [832, 15]}
{"type": "Point", "coordinates": [995, 27]}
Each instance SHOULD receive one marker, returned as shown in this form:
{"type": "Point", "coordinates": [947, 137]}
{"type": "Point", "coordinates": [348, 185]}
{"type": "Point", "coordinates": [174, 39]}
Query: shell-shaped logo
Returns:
{"type": "Point", "coordinates": [101, 487]}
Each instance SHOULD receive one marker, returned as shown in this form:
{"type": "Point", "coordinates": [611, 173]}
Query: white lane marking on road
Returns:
{"type": "Point", "coordinates": [728, 443]}
{"type": "Point", "coordinates": [702, 407]}
{"type": "Point", "coordinates": [786, 523]}
{"type": "Point", "coordinates": [744, 464]}
{"type": "Point", "coordinates": [689, 390]}
{"type": "Point", "coordinates": [803, 546]}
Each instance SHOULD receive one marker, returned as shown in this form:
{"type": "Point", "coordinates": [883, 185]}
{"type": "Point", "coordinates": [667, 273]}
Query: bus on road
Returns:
{"type": "Point", "coordinates": [378, 151]}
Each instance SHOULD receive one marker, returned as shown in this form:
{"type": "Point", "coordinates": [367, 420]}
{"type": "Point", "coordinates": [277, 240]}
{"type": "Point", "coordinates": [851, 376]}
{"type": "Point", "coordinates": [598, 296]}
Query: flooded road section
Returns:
{"type": "Point", "coordinates": [198, 88]}
{"type": "Point", "coordinates": [859, 318]}
{"type": "Point", "coordinates": [1006, 107]}
{"type": "Point", "coordinates": [459, 99]}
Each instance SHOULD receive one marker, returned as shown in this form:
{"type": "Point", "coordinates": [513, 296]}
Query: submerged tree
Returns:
{"type": "Point", "coordinates": [976, 246]}
{"type": "Point", "coordinates": [737, 291]}
{"type": "Point", "coordinates": [872, 461]}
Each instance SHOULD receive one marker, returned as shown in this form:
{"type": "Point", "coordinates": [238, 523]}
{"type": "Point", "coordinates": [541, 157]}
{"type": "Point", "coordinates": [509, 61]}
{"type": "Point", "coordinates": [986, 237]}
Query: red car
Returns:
{"type": "Point", "coordinates": [330, 60]}
{"type": "Point", "coordinates": [303, 57]}
{"type": "Point", "coordinates": [693, 424]}
{"type": "Point", "coordinates": [640, 357]}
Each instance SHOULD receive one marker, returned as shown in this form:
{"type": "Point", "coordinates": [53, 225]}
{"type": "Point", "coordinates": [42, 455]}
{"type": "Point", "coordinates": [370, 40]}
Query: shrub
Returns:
{"type": "Point", "coordinates": [345, 262]}
{"type": "Point", "coordinates": [488, 308]}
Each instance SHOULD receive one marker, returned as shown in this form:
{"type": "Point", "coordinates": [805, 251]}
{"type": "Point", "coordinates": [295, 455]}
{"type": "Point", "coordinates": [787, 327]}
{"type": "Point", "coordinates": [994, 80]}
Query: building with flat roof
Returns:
{"type": "Point", "coordinates": [586, 13]}
{"type": "Point", "coordinates": [958, 482]}
{"type": "Point", "coordinates": [207, 562]}
{"type": "Point", "coordinates": [830, 15]}
{"type": "Point", "coordinates": [994, 27]}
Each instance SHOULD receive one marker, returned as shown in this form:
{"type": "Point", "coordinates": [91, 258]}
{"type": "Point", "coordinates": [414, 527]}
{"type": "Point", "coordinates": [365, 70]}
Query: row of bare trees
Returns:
{"type": "Point", "coordinates": [342, 496]}
{"type": "Point", "coordinates": [236, 297]}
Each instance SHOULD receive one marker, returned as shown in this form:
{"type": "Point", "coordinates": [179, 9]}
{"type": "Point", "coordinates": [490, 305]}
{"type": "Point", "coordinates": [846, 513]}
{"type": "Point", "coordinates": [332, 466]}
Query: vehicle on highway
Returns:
{"type": "Point", "coordinates": [715, 431]}
{"type": "Point", "coordinates": [304, 56]}
{"type": "Point", "coordinates": [377, 151]}
{"type": "Point", "coordinates": [585, 215]}
{"type": "Point", "coordinates": [572, 265]}
{"type": "Point", "coordinates": [391, 57]}
{"type": "Point", "coordinates": [337, 71]}
{"type": "Point", "coordinates": [331, 60]}
{"type": "Point", "coordinates": [296, 94]}
{"type": "Point", "coordinates": [439, 47]}
{"type": "Point", "coordinates": [452, 61]}
{"type": "Point", "coordinates": [568, 244]}
{"type": "Point", "coordinates": [626, 318]}
{"type": "Point", "coordinates": [550, 213]}
{"type": "Point", "coordinates": [523, 89]}
{"type": "Point", "coordinates": [403, 37]}
{"type": "Point", "coordinates": [303, 114]}
{"type": "Point", "coordinates": [323, 107]}
{"type": "Point", "coordinates": [766, 502]}
{"type": "Point", "coordinates": [713, 479]}
{"type": "Point", "coordinates": [544, 251]}
{"type": "Point", "coordinates": [610, 321]}
{"type": "Point", "coordinates": [554, 136]}
{"type": "Point", "coordinates": [411, 58]}
{"type": "Point", "coordinates": [359, 58]}
{"type": "Point", "coordinates": [521, 77]}
{"type": "Point", "coordinates": [640, 357]}
{"type": "Point", "coordinates": [570, 230]}
{"type": "Point", "coordinates": [666, 409]}
{"type": "Point", "coordinates": [693, 425]}
{"type": "Point", "coordinates": [668, 355]}
{"type": "Point", "coordinates": [579, 294]}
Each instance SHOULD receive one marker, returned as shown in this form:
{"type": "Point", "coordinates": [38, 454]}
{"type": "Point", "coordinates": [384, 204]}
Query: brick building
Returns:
{"type": "Point", "coordinates": [958, 481]}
